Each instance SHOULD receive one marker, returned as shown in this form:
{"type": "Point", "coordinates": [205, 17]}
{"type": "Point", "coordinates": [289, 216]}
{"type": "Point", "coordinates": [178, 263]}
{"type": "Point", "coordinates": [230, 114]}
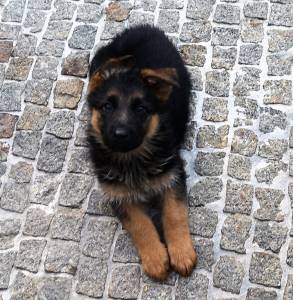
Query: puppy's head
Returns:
{"type": "Point", "coordinates": [125, 102]}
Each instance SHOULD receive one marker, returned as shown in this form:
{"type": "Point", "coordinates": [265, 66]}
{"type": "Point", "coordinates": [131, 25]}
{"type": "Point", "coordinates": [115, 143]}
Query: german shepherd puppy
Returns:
{"type": "Point", "coordinates": [138, 96]}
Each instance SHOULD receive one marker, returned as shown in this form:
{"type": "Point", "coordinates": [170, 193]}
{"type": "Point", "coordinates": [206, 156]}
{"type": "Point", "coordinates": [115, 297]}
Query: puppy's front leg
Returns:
{"type": "Point", "coordinates": [153, 253]}
{"type": "Point", "coordinates": [176, 231]}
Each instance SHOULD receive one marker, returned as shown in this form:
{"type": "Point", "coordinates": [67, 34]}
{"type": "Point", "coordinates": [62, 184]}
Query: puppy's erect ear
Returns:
{"type": "Point", "coordinates": [161, 81]}
{"type": "Point", "coordinates": [110, 67]}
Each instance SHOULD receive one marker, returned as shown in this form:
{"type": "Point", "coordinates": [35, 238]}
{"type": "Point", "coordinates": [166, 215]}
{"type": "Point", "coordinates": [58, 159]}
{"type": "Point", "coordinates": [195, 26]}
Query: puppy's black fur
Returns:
{"type": "Point", "coordinates": [139, 98]}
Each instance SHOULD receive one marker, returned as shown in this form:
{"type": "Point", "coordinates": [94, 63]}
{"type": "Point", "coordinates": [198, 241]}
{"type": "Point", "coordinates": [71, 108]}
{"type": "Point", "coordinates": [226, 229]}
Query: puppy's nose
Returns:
{"type": "Point", "coordinates": [121, 132]}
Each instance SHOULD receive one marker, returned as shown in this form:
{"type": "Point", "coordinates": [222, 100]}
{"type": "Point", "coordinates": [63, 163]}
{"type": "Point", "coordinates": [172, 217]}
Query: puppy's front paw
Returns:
{"type": "Point", "coordinates": [156, 262]}
{"type": "Point", "coordinates": [182, 257]}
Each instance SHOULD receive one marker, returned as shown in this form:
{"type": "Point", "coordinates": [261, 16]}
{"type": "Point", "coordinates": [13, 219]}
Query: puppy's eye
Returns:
{"type": "Point", "coordinates": [107, 107]}
{"type": "Point", "coordinates": [140, 109]}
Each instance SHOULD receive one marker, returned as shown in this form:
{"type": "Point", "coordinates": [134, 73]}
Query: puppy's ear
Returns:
{"type": "Point", "coordinates": [161, 81]}
{"type": "Point", "coordinates": [110, 67]}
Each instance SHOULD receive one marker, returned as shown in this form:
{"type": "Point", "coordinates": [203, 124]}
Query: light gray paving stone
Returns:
{"type": "Point", "coordinates": [244, 142]}
{"type": "Point", "coordinates": [76, 64]}
{"type": "Point", "coordinates": [44, 188]}
{"type": "Point", "coordinates": [210, 137]}
{"type": "Point", "coordinates": [6, 264]}
{"type": "Point", "coordinates": [25, 46]}
{"type": "Point", "coordinates": [58, 30]}
{"type": "Point", "coordinates": [215, 109]}
{"type": "Point", "coordinates": [98, 205]}
{"type": "Point", "coordinates": [261, 294]}
{"type": "Point", "coordinates": [81, 137]}
{"type": "Point", "coordinates": [291, 165]}
{"type": "Point", "coordinates": [50, 48]}
{"type": "Point", "coordinates": [80, 162]}
{"type": "Point", "coordinates": [4, 150]}
{"type": "Point", "coordinates": [6, 48]}
{"type": "Point", "coordinates": [196, 31]}
{"type": "Point", "coordinates": [280, 40]}
{"type": "Point", "coordinates": [270, 119]}
{"type": "Point", "coordinates": [74, 190]}
{"type": "Point", "coordinates": [9, 229]}
{"type": "Point", "coordinates": [67, 93]}
{"type": "Point", "coordinates": [9, 32]}
{"type": "Point", "coordinates": [225, 36]}
{"type": "Point", "coordinates": [268, 173]}
{"type": "Point", "coordinates": [169, 4]}
{"type": "Point", "coordinates": [35, 20]}
{"type": "Point", "coordinates": [10, 98]}
{"type": "Point", "coordinates": [62, 257]}
{"type": "Point", "coordinates": [205, 253]}
{"type": "Point", "coordinates": [290, 192]}
{"type": "Point", "coordinates": [203, 221]}
{"type": "Point", "coordinates": [209, 164]}
{"type": "Point", "coordinates": [278, 65]}
{"type": "Point", "coordinates": [235, 232]}
{"type": "Point", "coordinates": [281, 15]}
{"type": "Point", "coordinates": [7, 124]}
{"type": "Point", "coordinates": [257, 10]}
{"type": "Point", "coordinates": [89, 13]}
{"type": "Point", "coordinates": [156, 292]}
{"type": "Point", "coordinates": [15, 197]}
{"type": "Point", "coordinates": [170, 281]}
{"type": "Point", "coordinates": [67, 224]}
{"type": "Point", "coordinates": [192, 54]}
{"type": "Point", "coordinates": [111, 28]}
{"type": "Point", "coordinates": [278, 92]}
{"type": "Point", "coordinates": [64, 10]}
{"type": "Point", "coordinates": [217, 83]}
{"type": "Point", "coordinates": [125, 251]}
{"type": "Point", "coordinates": [38, 91]}
{"type": "Point", "coordinates": [135, 18]}
{"type": "Point", "coordinates": [238, 197]}
{"type": "Point", "coordinates": [252, 31]}
{"type": "Point", "coordinates": [288, 293]}
{"type": "Point", "coordinates": [250, 54]}
{"type": "Point", "coordinates": [269, 200]}
{"type": "Point", "coordinates": [83, 37]}
{"type": "Point", "coordinates": [205, 191]}
{"type": "Point", "coordinates": [239, 167]}
{"type": "Point", "coordinates": [39, 4]}
{"type": "Point", "coordinates": [19, 68]}
{"type": "Point", "coordinates": [227, 14]}
{"type": "Point", "coordinates": [24, 286]}
{"type": "Point", "coordinates": [30, 254]}
{"type": "Point", "coordinates": [37, 222]}
{"type": "Point", "coordinates": [265, 269]}
{"type": "Point", "coordinates": [228, 274]}
{"type": "Point", "coordinates": [273, 148]}
{"type": "Point", "coordinates": [196, 78]}
{"type": "Point", "coordinates": [52, 154]}
{"type": "Point", "coordinates": [150, 5]}
{"type": "Point", "coordinates": [189, 141]}
{"type": "Point", "coordinates": [224, 58]}
{"type": "Point", "coordinates": [97, 236]}
{"type": "Point", "coordinates": [61, 124]}
{"type": "Point", "coordinates": [13, 11]}
{"type": "Point", "coordinates": [168, 20]}
{"type": "Point", "coordinates": [193, 287]}
{"type": "Point", "coordinates": [58, 288]}
{"type": "Point", "coordinates": [270, 236]}
{"type": "Point", "coordinates": [199, 10]}
{"type": "Point", "coordinates": [34, 117]}
{"type": "Point", "coordinates": [92, 275]}
{"type": "Point", "coordinates": [45, 68]}
{"type": "Point", "coordinates": [247, 80]}
{"type": "Point", "coordinates": [21, 172]}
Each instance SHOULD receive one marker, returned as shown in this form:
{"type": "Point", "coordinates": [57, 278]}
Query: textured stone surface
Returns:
{"type": "Point", "coordinates": [268, 173]}
{"type": "Point", "coordinates": [273, 149]}
{"type": "Point", "coordinates": [260, 293]}
{"type": "Point", "coordinates": [209, 136]}
{"type": "Point", "coordinates": [209, 164]}
{"type": "Point", "coordinates": [265, 269]}
{"type": "Point", "coordinates": [225, 36]}
{"type": "Point", "coordinates": [50, 48]}
{"type": "Point", "coordinates": [224, 57]}
{"type": "Point", "coordinates": [9, 228]}
{"type": "Point", "coordinates": [23, 287]}
{"type": "Point", "coordinates": [270, 119]}
{"type": "Point", "coordinates": [19, 68]}
{"type": "Point", "coordinates": [45, 68]}
{"type": "Point", "coordinates": [76, 64]}
{"type": "Point", "coordinates": [21, 172]}
{"type": "Point", "coordinates": [10, 98]}
{"type": "Point", "coordinates": [197, 31]}
{"type": "Point", "coordinates": [7, 124]}
{"type": "Point", "coordinates": [247, 80]}
{"type": "Point", "coordinates": [205, 253]}
{"type": "Point", "coordinates": [58, 30]}
{"type": "Point", "coordinates": [215, 109]}
{"type": "Point", "coordinates": [80, 161]}
{"type": "Point", "coordinates": [194, 55]}
{"type": "Point", "coordinates": [83, 37]}
{"type": "Point", "coordinates": [252, 31]}
{"type": "Point", "coordinates": [239, 167]}
{"type": "Point", "coordinates": [227, 14]}
{"type": "Point", "coordinates": [54, 288]}
{"type": "Point", "coordinates": [288, 289]}
{"type": "Point", "coordinates": [38, 91]}
{"type": "Point", "coordinates": [6, 263]}
{"type": "Point", "coordinates": [217, 83]}
{"type": "Point", "coordinates": [244, 142]}
{"type": "Point", "coordinates": [250, 54]}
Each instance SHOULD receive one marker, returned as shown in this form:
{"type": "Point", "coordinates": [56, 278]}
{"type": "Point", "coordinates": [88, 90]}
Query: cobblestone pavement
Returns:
{"type": "Point", "coordinates": [58, 240]}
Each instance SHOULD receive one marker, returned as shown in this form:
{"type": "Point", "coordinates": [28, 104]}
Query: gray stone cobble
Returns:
{"type": "Point", "coordinates": [59, 238]}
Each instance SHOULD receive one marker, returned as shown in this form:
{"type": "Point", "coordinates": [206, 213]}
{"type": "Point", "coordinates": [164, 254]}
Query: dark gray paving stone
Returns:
{"type": "Point", "coordinates": [156, 292]}
{"type": "Point", "coordinates": [35, 20]}
{"type": "Point", "coordinates": [10, 98]}
{"type": "Point", "coordinates": [15, 197]}
{"type": "Point", "coordinates": [250, 54]}
{"type": "Point", "coordinates": [193, 287]}
{"type": "Point", "coordinates": [81, 137]}
{"type": "Point", "coordinates": [45, 68]}
{"type": "Point", "coordinates": [224, 58]}
{"type": "Point", "coordinates": [38, 91]}
{"type": "Point", "coordinates": [209, 164]}
{"type": "Point", "coordinates": [203, 221]}
{"type": "Point", "coordinates": [64, 10]}
{"type": "Point", "coordinates": [270, 119]}
{"type": "Point", "coordinates": [281, 15]}
{"type": "Point", "coordinates": [21, 172]}
{"type": "Point", "coordinates": [169, 20]}
{"type": "Point", "coordinates": [23, 287]}
{"type": "Point", "coordinates": [270, 236]}
{"type": "Point", "coordinates": [34, 117]}
{"type": "Point", "coordinates": [67, 93]}
{"type": "Point", "coordinates": [97, 236]}
{"type": "Point", "coordinates": [7, 124]}
{"type": "Point", "coordinates": [239, 167]}
{"type": "Point", "coordinates": [89, 13]}
{"type": "Point", "coordinates": [210, 137]}
{"type": "Point", "coordinates": [37, 222]}
{"type": "Point", "coordinates": [194, 55]}
{"type": "Point", "coordinates": [228, 274]}
{"type": "Point", "coordinates": [125, 250]}
{"type": "Point", "coordinates": [13, 11]}
{"type": "Point", "coordinates": [62, 257]}
{"type": "Point", "coordinates": [258, 10]}
{"type": "Point", "coordinates": [9, 229]}
{"type": "Point", "coordinates": [74, 190]}
{"type": "Point", "coordinates": [244, 142]}
{"type": "Point", "coordinates": [205, 253]}
{"type": "Point", "coordinates": [6, 264]}
{"type": "Point", "coordinates": [80, 162]}
{"type": "Point", "coordinates": [58, 30]}
{"type": "Point", "coordinates": [198, 10]}
{"type": "Point", "coordinates": [227, 14]}
{"type": "Point", "coordinates": [30, 254]}
{"type": "Point", "coordinates": [252, 31]}
{"type": "Point", "coordinates": [205, 191]}
{"type": "Point", "coordinates": [215, 109]}
{"type": "Point", "coordinates": [217, 83]}
{"type": "Point", "coordinates": [25, 46]}
{"type": "Point", "coordinates": [76, 64]}
{"type": "Point", "coordinates": [196, 31]}
{"type": "Point", "coordinates": [58, 288]}
{"type": "Point", "coordinates": [39, 4]}
{"type": "Point", "coordinates": [247, 80]}
{"type": "Point", "coordinates": [273, 149]}
{"type": "Point", "coordinates": [44, 188]}
{"type": "Point", "coordinates": [196, 78]}
{"type": "Point", "coordinates": [83, 37]}
{"type": "Point", "coordinates": [125, 282]}
{"type": "Point", "coordinates": [190, 140]}
{"type": "Point", "coordinates": [235, 232]}
{"type": "Point", "coordinates": [67, 224]}
{"type": "Point", "coordinates": [278, 91]}
{"type": "Point", "coordinates": [50, 48]}
{"type": "Point", "coordinates": [265, 269]}
{"type": "Point", "coordinates": [261, 294]}
{"type": "Point", "coordinates": [52, 155]}
{"type": "Point", "coordinates": [269, 201]}
{"type": "Point", "coordinates": [225, 36]}
{"type": "Point", "coordinates": [98, 205]}
{"type": "Point", "coordinates": [61, 124]}
{"type": "Point", "coordinates": [238, 197]}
